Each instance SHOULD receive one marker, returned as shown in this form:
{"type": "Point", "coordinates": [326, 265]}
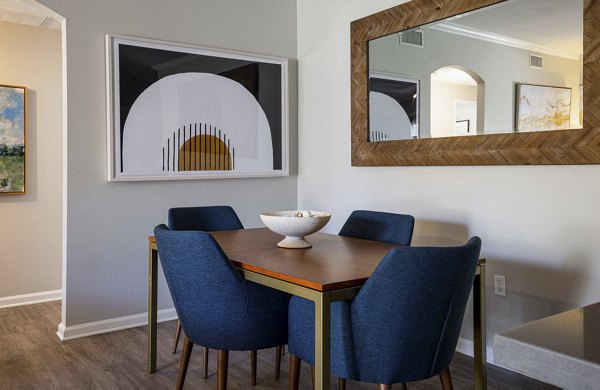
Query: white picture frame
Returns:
{"type": "Point", "coordinates": [178, 112]}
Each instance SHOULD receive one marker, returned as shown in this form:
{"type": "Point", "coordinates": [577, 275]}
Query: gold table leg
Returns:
{"type": "Point", "coordinates": [479, 335]}
{"type": "Point", "coordinates": [322, 341]}
{"type": "Point", "coordinates": [322, 302]}
{"type": "Point", "coordinates": [152, 306]}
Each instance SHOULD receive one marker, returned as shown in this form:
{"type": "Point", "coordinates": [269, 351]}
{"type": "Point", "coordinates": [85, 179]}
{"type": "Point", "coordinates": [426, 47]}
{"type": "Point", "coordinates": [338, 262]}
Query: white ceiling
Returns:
{"type": "Point", "coordinates": [554, 24]}
{"type": "Point", "coordinates": [17, 11]}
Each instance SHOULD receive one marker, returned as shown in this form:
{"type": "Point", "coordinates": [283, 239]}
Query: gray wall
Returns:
{"type": "Point", "coordinates": [108, 223]}
{"type": "Point", "coordinates": [539, 224]}
{"type": "Point", "coordinates": [500, 67]}
{"type": "Point", "coordinates": [30, 231]}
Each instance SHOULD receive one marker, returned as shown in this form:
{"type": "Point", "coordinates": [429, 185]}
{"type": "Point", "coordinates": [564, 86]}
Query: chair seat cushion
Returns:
{"type": "Point", "coordinates": [301, 337]}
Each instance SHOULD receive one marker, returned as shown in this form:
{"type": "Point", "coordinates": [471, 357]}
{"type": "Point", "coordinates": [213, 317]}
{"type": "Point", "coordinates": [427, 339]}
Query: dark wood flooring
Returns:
{"type": "Point", "coordinates": [32, 357]}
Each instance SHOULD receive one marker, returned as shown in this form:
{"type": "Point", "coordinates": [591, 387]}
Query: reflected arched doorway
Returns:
{"type": "Point", "coordinates": [457, 102]}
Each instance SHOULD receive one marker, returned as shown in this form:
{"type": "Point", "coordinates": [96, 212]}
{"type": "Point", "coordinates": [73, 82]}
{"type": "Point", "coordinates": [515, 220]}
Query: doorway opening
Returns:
{"type": "Point", "coordinates": [457, 102]}
{"type": "Point", "coordinates": [32, 42]}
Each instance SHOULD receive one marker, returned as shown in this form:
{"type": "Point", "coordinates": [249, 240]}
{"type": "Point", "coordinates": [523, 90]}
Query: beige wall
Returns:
{"type": "Point", "coordinates": [539, 224]}
{"type": "Point", "coordinates": [30, 228]}
{"type": "Point", "coordinates": [443, 105]}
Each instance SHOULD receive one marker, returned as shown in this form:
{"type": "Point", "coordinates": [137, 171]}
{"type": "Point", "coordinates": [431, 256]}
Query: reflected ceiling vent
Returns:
{"type": "Point", "coordinates": [536, 61]}
{"type": "Point", "coordinates": [412, 38]}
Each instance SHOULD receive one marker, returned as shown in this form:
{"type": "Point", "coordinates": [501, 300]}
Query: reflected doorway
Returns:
{"type": "Point", "coordinates": [465, 117]}
{"type": "Point", "coordinates": [457, 102]}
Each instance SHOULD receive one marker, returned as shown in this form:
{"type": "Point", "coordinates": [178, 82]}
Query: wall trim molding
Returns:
{"type": "Point", "coordinates": [30, 299]}
{"type": "Point", "coordinates": [66, 333]}
{"type": "Point", "coordinates": [466, 347]}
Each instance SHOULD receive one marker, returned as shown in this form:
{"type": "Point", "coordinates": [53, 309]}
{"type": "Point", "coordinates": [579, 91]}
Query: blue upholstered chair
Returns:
{"type": "Point", "coordinates": [405, 321]}
{"type": "Point", "coordinates": [206, 219]}
{"type": "Point", "coordinates": [211, 219]}
{"type": "Point", "coordinates": [379, 226]}
{"type": "Point", "coordinates": [217, 307]}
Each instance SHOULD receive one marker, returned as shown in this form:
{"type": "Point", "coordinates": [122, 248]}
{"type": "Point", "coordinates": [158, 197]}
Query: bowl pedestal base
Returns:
{"type": "Point", "coordinates": [294, 243]}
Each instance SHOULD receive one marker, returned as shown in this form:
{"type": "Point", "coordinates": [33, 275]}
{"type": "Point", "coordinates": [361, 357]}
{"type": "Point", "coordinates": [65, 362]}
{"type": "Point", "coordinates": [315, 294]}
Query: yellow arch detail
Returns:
{"type": "Point", "coordinates": [205, 153]}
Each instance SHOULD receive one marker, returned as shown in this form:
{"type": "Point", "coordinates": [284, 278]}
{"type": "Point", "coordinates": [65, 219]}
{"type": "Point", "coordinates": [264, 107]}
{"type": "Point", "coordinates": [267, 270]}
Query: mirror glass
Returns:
{"type": "Point", "coordinates": [512, 67]}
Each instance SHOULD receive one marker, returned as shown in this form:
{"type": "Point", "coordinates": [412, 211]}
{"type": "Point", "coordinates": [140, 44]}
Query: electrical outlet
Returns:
{"type": "Point", "coordinates": [500, 285]}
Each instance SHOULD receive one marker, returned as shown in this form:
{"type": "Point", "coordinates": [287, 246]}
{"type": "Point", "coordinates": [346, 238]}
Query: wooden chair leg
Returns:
{"type": "Point", "coordinates": [206, 349]}
{"type": "Point", "coordinates": [342, 383]}
{"type": "Point", "coordinates": [381, 386]}
{"type": "Point", "coordinates": [177, 335]}
{"type": "Point", "coordinates": [253, 366]}
{"type": "Point", "coordinates": [312, 374]}
{"type": "Point", "coordinates": [294, 374]}
{"type": "Point", "coordinates": [278, 355]}
{"type": "Point", "coordinates": [184, 362]}
{"type": "Point", "coordinates": [446, 379]}
{"type": "Point", "coordinates": [222, 366]}
{"type": "Point", "coordinates": [176, 342]}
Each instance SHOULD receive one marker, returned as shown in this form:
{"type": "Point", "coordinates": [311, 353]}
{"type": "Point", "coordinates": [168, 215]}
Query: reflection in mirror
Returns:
{"type": "Point", "coordinates": [394, 108]}
{"type": "Point", "coordinates": [457, 100]}
{"type": "Point", "coordinates": [512, 67]}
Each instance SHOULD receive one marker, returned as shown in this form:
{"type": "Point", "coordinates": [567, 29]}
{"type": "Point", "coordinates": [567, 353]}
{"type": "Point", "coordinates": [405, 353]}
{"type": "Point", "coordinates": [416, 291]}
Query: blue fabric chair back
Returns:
{"type": "Point", "coordinates": [406, 319]}
{"type": "Point", "coordinates": [379, 226]}
{"type": "Point", "coordinates": [216, 306]}
{"type": "Point", "coordinates": [206, 218]}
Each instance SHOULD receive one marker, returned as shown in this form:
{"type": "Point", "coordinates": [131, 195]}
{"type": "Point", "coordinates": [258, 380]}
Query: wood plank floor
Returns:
{"type": "Point", "coordinates": [32, 357]}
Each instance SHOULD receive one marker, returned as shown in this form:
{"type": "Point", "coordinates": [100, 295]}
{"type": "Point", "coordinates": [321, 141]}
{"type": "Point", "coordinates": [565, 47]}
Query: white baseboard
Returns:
{"type": "Point", "coordinates": [110, 325]}
{"type": "Point", "coordinates": [466, 347]}
{"type": "Point", "coordinates": [29, 299]}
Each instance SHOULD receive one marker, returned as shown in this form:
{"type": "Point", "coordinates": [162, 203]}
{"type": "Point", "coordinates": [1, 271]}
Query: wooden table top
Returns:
{"type": "Point", "coordinates": [334, 262]}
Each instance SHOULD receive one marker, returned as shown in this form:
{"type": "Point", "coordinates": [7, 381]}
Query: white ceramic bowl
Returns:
{"type": "Point", "coordinates": [294, 225]}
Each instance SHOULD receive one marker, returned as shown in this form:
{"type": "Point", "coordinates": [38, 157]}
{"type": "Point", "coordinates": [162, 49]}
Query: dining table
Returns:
{"type": "Point", "coordinates": [334, 268]}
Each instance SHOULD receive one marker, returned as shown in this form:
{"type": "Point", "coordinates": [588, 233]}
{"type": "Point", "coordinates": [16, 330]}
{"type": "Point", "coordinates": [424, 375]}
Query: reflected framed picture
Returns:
{"type": "Point", "coordinates": [541, 107]}
{"type": "Point", "coordinates": [393, 107]}
{"type": "Point", "coordinates": [186, 112]}
{"type": "Point", "coordinates": [13, 139]}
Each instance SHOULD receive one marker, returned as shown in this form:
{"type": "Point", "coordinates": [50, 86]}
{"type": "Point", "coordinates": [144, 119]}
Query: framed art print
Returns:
{"type": "Point", "coordinates": [13, 126]}
{"type": "Point", "coordinates": [541, 107]}
{"type": "Point", "coordinates": [185, 112]}
{"type": "Point", "coordinates": [393, 107]}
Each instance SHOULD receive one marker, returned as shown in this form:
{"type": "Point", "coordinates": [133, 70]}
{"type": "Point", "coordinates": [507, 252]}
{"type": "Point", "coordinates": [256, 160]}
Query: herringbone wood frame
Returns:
{"type": "Point", "coordinates": [579, 146]}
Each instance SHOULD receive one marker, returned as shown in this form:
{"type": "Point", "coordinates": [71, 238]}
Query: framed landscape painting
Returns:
{"type": "Point", "coordinates": [13, 124]}
{"type": "Point", "coordinates": [540, 108]}
{"type": "Point", "coordinates": [187, 112]}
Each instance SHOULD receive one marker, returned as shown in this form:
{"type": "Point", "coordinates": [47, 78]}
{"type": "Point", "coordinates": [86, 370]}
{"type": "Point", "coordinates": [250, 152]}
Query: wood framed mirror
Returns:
{"type": "Point", "coordinates": [506, 147]}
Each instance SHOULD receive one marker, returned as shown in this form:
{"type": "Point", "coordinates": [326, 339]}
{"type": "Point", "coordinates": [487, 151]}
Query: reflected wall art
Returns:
{"type": "Point", "coordinates": [541, 108]}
